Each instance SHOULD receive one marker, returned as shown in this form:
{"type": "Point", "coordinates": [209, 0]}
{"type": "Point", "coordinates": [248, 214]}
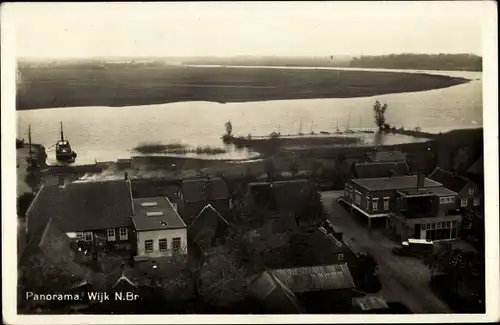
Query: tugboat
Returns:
{"type": "Point", "coordinates": [64, 153]}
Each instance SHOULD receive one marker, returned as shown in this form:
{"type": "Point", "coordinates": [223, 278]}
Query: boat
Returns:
{"type": "Point", "coordinates": [312, 131]}
{"type": "Point", "coordinates": [363, 130]}
{"type": "Point", "coordinates": [347, 130]}
{"type": "Point", "coordinates": [300, 128]}
{"type": "Point", "coordinates": [64, 152]}
{"type": "Point", "coordinates": [324, 132]}
{"type": "Point", "coordinates": [337, 131]}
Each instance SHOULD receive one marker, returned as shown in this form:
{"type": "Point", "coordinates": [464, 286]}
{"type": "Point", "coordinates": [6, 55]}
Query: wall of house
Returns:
{"type": "Point", "coordinates": [155, 236]}
{"type": "Point", "coordinates": [103, 233]}
{"type": "Point", "coordinates": [391, 194]}
{"type": "Point", "coordinates": [406, 228]}
{"type": "Point", "coordinates": [470, 192]}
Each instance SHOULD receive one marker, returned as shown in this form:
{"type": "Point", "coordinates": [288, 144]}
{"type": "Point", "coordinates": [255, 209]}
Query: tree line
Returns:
{"type": "Point", "coordinates": [467, 62]}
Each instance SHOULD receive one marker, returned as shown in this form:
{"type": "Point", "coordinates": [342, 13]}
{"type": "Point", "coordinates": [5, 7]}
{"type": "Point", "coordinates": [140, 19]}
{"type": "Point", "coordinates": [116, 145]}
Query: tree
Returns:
{"type": "Point", "coordinates": [229, 128]}
{"type": "Point", "coordinates": [270, 170]}
{"type": "Point", "coordinates": [379, 111]}
{"type": "Point", "coordinates": [23, 202]}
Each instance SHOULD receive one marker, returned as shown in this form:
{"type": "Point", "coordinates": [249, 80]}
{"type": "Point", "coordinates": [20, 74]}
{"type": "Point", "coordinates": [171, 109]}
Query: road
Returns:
{"type": "Point", "coordinates": [403, 279]}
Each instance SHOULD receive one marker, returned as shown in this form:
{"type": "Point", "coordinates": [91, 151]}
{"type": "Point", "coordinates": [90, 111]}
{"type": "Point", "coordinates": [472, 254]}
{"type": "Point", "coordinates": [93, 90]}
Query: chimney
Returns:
{"type": "Point", "coordinates": [125, 175]}
{"type": "Point", "coordinates": [420, 180]}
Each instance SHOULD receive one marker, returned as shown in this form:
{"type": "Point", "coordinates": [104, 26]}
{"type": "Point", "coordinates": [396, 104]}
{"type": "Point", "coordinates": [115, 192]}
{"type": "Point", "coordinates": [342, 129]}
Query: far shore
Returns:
{"type": "Point", "coordinates": [116, 85]}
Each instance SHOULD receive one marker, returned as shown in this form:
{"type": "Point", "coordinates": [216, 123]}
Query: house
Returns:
{"type": "Point", "coordinates": [291, 203]}
{"type": "Point", "coordinates": [155, 280]}
{"type": "Point", "coordinates": [276, 297]}
{"type": "Point", "coordinates": [160, 231]}
{"type": "Point", "coordinates": [194, 194]}
{"type": "Point", "coordinates": [95, 213]}
{"type": "Point", "coordinates": [375, 198]}
{"type": "Point", "coordinates": [476, 170]}
{"type": "Point", "coordinates": [386, 156]}
{"type": "Point", "coordinates": [469, 194]}
{"type": "Point", "coordinates": [380, 169]}
{"type": "Point", "coordinates": [208, 229]}
{"type": "Point", "coordinates": [427, 213]}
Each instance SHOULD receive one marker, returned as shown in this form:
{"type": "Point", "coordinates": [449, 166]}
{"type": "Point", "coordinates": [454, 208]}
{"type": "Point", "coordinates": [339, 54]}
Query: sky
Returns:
{"type": "Point", "coordinates": [57, 30]}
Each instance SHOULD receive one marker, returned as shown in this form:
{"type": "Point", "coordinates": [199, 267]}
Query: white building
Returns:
{"type": "Point", "coordinates": [159, 229]}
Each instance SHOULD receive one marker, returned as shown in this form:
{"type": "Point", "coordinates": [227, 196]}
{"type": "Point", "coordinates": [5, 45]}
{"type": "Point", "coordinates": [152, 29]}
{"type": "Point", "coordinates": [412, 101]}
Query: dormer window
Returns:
{"type": "Point", "coordinates": [154, 214]}
{"type": "Point", "coordinates": [471, 190]}
{"type": "Point", "coordinates": [149, 204]}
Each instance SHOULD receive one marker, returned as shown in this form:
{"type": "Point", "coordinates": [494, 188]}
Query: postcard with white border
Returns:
{"type": "Point", "coordinates": [248, 162]}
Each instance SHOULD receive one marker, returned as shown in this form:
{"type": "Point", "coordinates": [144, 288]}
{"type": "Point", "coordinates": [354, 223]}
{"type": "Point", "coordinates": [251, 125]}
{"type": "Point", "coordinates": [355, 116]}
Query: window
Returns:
{"type": "Point", "coordinates": [367, 203]}
{"type": "Point", "coordinates": [123, 234]}
{"type": "Point", "coordinates": [163, 245]}
{"type": "Point", "coordinates": [448, 224]}
{"type": "Point", "coordinates": [423, 226]}
{"type": "Point", "coordinates": [375, 204]}
{"type": "Point", "coordinates": [149, 204]}
{"type": "Point", "coordinates": [79, 235]}
{"type": "Point", "coordinates": [341, 257]}
{"type": "Point", "coordinates": [111, 235]}
{"type": "Point", "coordinates": [463, 202]}
{"type": "Point", "coordinates": [476, 201]}
{"type": "Point", "coordinates": [446, 200]}
{"type": "Point", "coordinates": [386, 204]}
{"type": "Point", "coordinates": [433, 226]}
{"type": "Point", "coordinates": [88, 236]}
{"type": "Point", "coordinates": [154, 214]}
{"type": "Point", "coordinates": [471, 190]}
{"type": "Point", "coordinates": [148, 246]}
{"type": "Point", "coordinates": [357, 197]}
{"type": "Point", "coordinates": [176, 244]}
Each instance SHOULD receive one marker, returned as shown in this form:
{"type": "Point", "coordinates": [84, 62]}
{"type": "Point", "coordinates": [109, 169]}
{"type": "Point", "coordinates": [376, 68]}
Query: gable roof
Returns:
{"type": "Point", "coordinates": [381, 169]}
{"type": "Point", "coordinates": [449, 180]}
{"type": "Point", "coordinates": [316, 278]}
{"type": "Point", "coordinates": [207, 189]}
{"type": "Point", "coordinates": [208, 219]}
{"type": "Point", "coordinates": [165, 216]}
{"type": "Point", "coordinates": [82, 206]}
{"type": "Point", "coordinates": [54, 246]}
{"type": "Point", "coordinates": [386, 156]}
{"type": "Point", "coordinates": [477, 167]}
{"type": "Point", "coordinates": [273, 293]}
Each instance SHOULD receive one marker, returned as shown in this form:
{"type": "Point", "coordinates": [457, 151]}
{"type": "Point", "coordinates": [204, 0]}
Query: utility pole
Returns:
{"type": "Point", "coordinates": [29, 139]}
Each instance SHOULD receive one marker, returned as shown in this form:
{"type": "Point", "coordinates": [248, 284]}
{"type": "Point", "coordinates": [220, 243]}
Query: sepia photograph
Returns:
{"type": "Point", "coordinates": [213, 162]}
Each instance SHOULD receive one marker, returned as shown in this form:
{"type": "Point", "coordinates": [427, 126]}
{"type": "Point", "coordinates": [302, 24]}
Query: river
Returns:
{"type": "Point", "coordinates": [106, 134]}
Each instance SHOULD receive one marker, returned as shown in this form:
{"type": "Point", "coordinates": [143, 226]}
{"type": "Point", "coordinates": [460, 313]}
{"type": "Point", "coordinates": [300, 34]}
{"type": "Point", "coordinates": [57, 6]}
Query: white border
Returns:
{"type": "Point", "coordinates": [485, 9]}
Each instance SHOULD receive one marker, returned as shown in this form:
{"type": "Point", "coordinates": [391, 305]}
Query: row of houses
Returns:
{"type": "Point", "coordinates": [291, 256]}
{"type": "Point", "coordinates": [435, 207]}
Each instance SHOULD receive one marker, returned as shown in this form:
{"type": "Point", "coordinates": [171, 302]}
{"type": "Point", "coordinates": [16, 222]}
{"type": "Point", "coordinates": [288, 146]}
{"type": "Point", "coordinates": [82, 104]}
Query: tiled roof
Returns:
{"type": "Point", "coordinates": [82, 206]}
{"type": "Point", "coordinates": [206, 189]}
{"type": "Point", "coordinates": [393, 183]}
{"type": "Point", "coordinates": [316, 278]}
{"type": "Point", "coordinates": [386, 156]}
{"type": "Point", "coordinates": [448, 179]}
{"type": "Point", "coordinates": [156, 214]}
{"type": "Point", "coordinates": [269, 289]}
{"type": "Point", "coordinates": [381, 169]}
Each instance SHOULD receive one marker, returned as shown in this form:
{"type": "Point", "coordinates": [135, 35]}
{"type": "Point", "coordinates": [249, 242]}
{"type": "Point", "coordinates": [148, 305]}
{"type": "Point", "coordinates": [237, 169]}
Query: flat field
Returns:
{"type": "Point", "coordinates": [122, 84]}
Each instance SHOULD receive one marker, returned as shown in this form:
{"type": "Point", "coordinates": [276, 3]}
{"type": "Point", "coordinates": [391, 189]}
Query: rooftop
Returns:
{"type": "Point", "coordinates": [316, 278]}
{"type": "Point", "coordinates": [155, 214]}
{"type": "Point", "coordinates": [448, 179]}
{"type": "Point", "coordinates": [385, 156]}
{"type": "Point", "coordinates": [381, 169]}
{"type": "Point", "coordinates": [477, 167]}
{"type": "Point", "coordinates": [205, 189]}
{"type": "Point", "coordinates": [393, 183]}
{"type": "Point", "coordinates": [82, 206]}
{"type": "Point", "coordinates": [429, 191]}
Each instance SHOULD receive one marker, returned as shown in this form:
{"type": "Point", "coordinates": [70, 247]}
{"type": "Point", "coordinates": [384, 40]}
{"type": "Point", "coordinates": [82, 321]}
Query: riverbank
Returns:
{"type": "Point", "coordinates": [327, 165]}
{"type": "Point", "coordinates": [126, 84]}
